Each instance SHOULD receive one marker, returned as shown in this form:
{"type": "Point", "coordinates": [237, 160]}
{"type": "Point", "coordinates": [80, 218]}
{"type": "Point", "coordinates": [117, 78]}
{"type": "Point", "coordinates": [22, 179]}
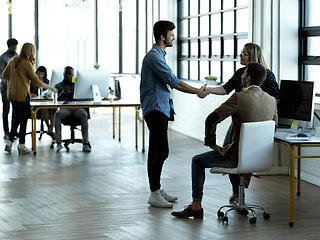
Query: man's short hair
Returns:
{"type": "Point", "coordinates": [162, 27]}
{"type": "Point", "coordinates": [257, 73]}
{"type": "Point", "coordinates": [12, 42]}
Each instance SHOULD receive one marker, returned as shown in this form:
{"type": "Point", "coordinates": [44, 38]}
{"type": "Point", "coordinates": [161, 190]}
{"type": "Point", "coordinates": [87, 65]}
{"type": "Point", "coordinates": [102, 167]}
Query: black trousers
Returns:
{"type": "Point", "coordinates": [157, 123]}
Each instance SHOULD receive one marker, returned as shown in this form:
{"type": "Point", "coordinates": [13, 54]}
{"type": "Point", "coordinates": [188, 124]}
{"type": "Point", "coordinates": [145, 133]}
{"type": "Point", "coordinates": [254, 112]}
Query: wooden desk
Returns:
{"type": "Point", "coordinates": [292, 144]}
{"type": "Point", "coordinates": [36, 105]}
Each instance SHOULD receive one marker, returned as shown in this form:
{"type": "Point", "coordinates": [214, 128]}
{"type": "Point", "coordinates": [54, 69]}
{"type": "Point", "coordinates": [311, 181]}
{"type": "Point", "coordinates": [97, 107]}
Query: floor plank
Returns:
{"type": "Point", "coordinates": [103, 194]}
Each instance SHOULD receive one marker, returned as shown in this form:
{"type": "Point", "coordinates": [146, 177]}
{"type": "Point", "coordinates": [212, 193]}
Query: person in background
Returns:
{"type": "Point", "coordinates": [47, 115]}
{"type": "Point", "coordinates": [65, 93]}
{"type": "Point", "coordinates": [4, 60]}
{"type": "Point", "coordinates": [251, 52]}
{"type": "Point", "coordinates": [157, 107]}
{"type": "Point", "coordinates": [18, 73]}
{"type": "Point", "coordinates": [250, 105]}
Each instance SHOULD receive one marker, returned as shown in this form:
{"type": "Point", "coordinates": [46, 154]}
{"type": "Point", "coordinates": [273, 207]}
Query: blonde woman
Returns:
{"type": "Point", "coordinates": [251, 52]}
{"type": "Point", "coordinates": [18, 73]}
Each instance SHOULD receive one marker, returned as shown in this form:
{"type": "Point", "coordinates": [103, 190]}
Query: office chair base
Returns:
{"type": "Point", "coordinates": [244, 210]}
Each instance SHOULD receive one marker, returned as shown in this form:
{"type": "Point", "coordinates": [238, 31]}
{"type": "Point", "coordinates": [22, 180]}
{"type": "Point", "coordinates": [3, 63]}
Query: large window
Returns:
{"type": "Point", "coordinates": [211, 36]}
{"type": "Point", "coordinates": [309, 41]}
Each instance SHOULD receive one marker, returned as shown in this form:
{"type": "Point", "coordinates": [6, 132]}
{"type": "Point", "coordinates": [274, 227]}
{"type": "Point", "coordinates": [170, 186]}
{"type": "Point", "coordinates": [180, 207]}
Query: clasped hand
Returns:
{"type": "Point", "coordinates": [203, 91]}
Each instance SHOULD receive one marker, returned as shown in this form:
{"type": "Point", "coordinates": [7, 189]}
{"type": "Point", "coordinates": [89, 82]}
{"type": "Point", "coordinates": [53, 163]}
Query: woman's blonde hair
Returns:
{"type": "Point", "coordinates": [28, 51]}
{"type": "Point", "coordinates": [256, 54]}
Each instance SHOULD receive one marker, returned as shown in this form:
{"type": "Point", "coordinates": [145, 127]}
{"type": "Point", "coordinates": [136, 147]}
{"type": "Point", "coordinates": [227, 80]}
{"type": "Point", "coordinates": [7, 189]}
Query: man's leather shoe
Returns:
{"type": "Point", "coordinates": [189, 212]}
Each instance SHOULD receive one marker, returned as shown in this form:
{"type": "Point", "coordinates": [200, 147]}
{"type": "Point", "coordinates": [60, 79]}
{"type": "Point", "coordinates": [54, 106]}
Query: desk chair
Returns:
{"type": "Point", "coordinates": [255, 155]}
{"type": "Point", "coordinates": [73, 123]}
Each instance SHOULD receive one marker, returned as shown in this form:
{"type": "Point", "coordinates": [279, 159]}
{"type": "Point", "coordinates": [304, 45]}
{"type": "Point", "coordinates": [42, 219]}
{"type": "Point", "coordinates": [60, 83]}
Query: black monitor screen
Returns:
{"type": "Point", "coordinates": [296, 100]}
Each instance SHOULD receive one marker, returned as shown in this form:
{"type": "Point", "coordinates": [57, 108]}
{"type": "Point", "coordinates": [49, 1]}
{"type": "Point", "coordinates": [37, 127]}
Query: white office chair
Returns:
{"type": "Point", "coordinates": [255, 155]}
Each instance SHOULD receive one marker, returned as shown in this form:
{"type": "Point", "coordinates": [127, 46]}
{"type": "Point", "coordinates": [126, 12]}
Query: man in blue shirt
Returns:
{"type": "Point", "coordinates": [157, 107]}
{"type": "Point", "coordinates": [4, 60]}
{"type": "Point", "coordinates": [65, 93]}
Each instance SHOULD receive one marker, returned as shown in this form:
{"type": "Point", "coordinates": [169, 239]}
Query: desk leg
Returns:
{"type": "Point", "coordinates": [34, 131]}
{"type": "Point", "coordinates": [298, 172]}
{"type": "Point", "coordinates": [143, 139]}
{"type": "Point", "coordinates": [291, 204]}
{"type": "Point", "coordinates": [137, 128]}
{"type": "Point", "coordinates": [113, 122]}
{"type": "Point", "coordinates": [119, 124]}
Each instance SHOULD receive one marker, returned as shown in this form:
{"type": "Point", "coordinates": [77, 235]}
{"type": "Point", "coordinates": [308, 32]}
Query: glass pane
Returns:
{"type": "Point", "coordinates": [204, 69]}
{"type": "Point", "coordinates": [184, 49]}
{"type": "Point", "coordinates": [228, 47]}
{"type": "Point", "coordinates": [204, 48]}
{"type": "Point", "coordinates": [241, 43]}
{"type": "Point", "coordinates": [204, 6]}
{"type": "Point", "coordinates": [184, 69]}
{"type": "Point", "coordinates": [184, 8]}
{"type": "Point", "coordinates": [22, 29]}
{"type": "Point", "coordinates": [194, 49]}
{"type": "Point", "coordinates": [193, 27]}
{"type": "Point", "coordinates": [312, 13]}
{"type": "Point", "coordinates": [215, 69]}
{"type": "Point", "coordinates": [4, 26]}
{"type": "Point", "coordinates": [216, 48]}
{"type": "Point", "coordinates": [215, 5]}
{"type": "Point", "coordinates": [215, 24]}
{"type": "Point", "coordinates": [312, 74]}
{"type": "Point", "coordinates": [193, 7]}
{"type": "Point", "coordinates": [194, 70]}
{"type": "Point", "coordinates": [228, 4]}
{"type": "Point", "coordinates": [204, 26]}
{"type": "Point", "coordinates": [184, 28]}
{"type": "Point", "coordinates": [228, 22]}
{"type": "Point", "coordinates": [242, 20]}
{"type": "Point", "coordinates": [313, 46]}
{"type": "Point", "coordinates": [227, 70]}
{"type": "Point", "coordinates": [242, 2]}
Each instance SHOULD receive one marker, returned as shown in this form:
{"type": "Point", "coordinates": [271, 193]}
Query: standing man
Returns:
{"type": "Point", "coordinates": [4, 60]}
{"type": "Point", "coordinates": [65, 93]}
{"type": "Point", "coordinates": [250, 105]}
{"type": "Point", "coordinates": [157, 107]}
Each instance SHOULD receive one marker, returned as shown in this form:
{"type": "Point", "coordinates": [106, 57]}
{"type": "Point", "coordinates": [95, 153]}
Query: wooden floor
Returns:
{"type": "Point", "coordinates": [103, 194]}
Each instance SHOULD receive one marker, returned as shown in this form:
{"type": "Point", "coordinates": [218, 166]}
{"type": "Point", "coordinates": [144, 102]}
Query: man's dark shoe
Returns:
{"type": "Point", "coordinates": [189, 212]}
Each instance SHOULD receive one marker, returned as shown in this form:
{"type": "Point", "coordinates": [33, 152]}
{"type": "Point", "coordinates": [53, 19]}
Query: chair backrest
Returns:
{"type": "Point", "coordinates": [256, 146]}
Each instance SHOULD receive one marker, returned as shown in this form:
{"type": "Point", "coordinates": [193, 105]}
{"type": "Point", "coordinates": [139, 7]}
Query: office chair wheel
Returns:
{"type": "Point", "coordinates": [225, 219]}
{"type": "Point", "coordinates": [243, 212]}
{"type": "Point", "coordinates": [253, 220]}
{"type": "Point", "coordinates": [220, 214]}
{"type": "Point", "coordinates": [266, 215]}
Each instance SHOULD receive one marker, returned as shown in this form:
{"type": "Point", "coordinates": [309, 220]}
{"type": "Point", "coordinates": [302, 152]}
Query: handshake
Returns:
{"type": "Point", "coordinates": [203, 91]}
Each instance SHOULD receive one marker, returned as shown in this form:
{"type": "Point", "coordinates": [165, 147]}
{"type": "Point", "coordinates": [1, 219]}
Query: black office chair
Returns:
{"type": "Point", "coordinates": [73, 123]}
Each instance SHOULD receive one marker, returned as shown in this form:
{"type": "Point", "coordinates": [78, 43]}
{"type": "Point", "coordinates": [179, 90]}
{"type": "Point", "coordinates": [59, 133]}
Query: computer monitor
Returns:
{"type": "Point", "coordinates": [86, 79]}
{"type": "Point", "coordinates": [56, 77]}
{"type": "Point", "coordinates": [296, 103]}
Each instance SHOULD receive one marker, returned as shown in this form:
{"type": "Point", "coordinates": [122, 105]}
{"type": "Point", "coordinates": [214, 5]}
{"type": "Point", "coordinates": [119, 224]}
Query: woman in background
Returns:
{"type": "Point", "coordinates": [251, 52]}
{"type": "Point", "coordinates": [45, 114]}
{"type": "Point", "coordinates": [18, 73]}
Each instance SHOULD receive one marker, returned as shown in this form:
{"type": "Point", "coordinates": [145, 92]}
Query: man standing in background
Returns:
{"type": "Point", "coordinates": [4, 59]}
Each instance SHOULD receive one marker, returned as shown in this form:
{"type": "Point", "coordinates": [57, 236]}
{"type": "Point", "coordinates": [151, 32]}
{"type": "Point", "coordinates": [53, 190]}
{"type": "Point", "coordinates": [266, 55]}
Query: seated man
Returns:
{"type": "Point", "coordinates": [250, 105]}
{"type": "Point", "coordinates": [65, 93]}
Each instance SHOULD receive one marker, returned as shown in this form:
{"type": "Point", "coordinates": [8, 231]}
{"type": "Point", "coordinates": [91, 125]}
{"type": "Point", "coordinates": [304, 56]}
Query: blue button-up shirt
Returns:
{"type": "Point", "coordinates": [156, 77]}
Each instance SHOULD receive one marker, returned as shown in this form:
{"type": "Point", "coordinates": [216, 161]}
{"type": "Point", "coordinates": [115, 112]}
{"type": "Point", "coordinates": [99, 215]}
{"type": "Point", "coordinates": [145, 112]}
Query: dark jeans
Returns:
{"type": "Point", "coordinates": [157, 123]}
{"type": "Point", "coordinates": [5, 107]}
{"type": "Point", "coordinates": [206, 160]}
{"type": "Point", "coordinates": [21, 113]}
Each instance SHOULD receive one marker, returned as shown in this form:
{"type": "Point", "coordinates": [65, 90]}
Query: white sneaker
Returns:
{"type": "Point", "coordinates": [167, 197]}
{"type": "Point", "coordinates": [8, 146]}
{"type": "Point", "coordinates": [59, 147]}
{"type": "Point", "coordinates": [22, 149]}
{"type": "Point", "coordinates": [156, 200]}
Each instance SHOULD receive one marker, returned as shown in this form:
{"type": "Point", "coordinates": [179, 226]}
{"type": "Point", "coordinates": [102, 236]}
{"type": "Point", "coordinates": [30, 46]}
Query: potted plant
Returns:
{"type": "Point", "coordinates": [111, 92]}
{"type": "Point", "coordinates": [211, 80]}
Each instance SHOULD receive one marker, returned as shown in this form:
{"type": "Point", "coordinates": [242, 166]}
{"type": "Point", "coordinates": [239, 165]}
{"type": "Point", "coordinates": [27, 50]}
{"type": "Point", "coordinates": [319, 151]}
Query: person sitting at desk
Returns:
{"type": "Point", "coordinates": [249, 105]}
{"type": "Point", "coordinates": [65, 93]}
{"type": "Point", "coordinates": [46, 115]}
